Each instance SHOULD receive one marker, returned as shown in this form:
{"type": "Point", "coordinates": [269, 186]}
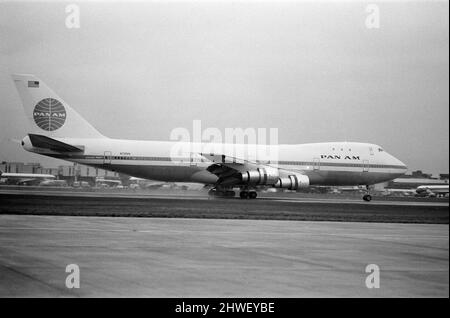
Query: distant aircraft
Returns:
{"type": "Point", "coordinates": [404, 192]}
{"type": "Point", "coordinates": [146, 183]}
{"type": "Point", "coordinates": [24, 178]}
{"type": "Point", "coordinates": [432, 190]}
{"type": "Point", "coordinates": [107, 182]}
{"type": "Point", "coordinates": [53, 183]}
{"type": "Point", "coordinates": [60, 132]}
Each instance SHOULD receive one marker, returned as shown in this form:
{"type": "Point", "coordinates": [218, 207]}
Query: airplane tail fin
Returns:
{"type": "Point", "coordinates": [49, 114]}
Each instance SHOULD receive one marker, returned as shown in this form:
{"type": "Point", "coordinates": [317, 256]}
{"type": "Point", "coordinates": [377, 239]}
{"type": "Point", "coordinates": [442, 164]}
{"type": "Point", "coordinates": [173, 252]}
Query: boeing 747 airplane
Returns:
{"type": "Point", "coordinates": [60, 132]}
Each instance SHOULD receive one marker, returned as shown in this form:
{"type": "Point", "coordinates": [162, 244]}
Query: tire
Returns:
{"type": "Point", "coordinates": [244, 195]}
{"type": "Point", "coordinates": [252, 195]}
{"type": "Point", "coordinates": [367, 198]}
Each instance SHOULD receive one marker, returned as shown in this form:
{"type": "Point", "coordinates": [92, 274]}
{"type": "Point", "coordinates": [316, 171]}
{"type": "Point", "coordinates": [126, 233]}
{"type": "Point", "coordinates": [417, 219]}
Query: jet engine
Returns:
{"type": "Point", "coordinates": [293, 182]}
{"type": "Point", "coordinates": [260, 176]}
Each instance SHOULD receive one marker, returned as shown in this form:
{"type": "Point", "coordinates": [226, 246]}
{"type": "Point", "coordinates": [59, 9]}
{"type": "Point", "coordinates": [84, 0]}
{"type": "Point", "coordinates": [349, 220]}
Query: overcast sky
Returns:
{"type": "Point", "coordinates": [313, 70]}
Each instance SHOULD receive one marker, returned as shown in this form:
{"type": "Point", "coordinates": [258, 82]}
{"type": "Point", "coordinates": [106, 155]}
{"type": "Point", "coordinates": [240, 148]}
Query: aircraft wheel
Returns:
{"type": "Point", "coordinates": [367, 197]}
{"type": "Point", "coordinates": [253, 195]}
{"type": "Point", "coordinates": [244, 195]}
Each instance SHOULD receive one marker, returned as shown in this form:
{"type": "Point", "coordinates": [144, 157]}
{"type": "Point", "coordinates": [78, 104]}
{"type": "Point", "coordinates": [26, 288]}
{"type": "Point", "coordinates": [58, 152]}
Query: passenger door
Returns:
{"type": "Point", "coordinates": [365, 165]}
{"type": "Point", "coordinates": [316, 164]}
{"type": "Point", "coordinates": [107, 157]}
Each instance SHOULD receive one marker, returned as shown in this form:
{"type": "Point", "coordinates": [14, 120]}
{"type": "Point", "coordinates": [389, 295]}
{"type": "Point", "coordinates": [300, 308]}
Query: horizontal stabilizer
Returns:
{"type": "Point", "coordinates": [45, 142]}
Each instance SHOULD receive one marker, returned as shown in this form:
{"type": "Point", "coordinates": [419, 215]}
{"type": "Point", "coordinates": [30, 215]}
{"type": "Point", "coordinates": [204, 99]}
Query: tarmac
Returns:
{"type": "Point", "coordinates": [183, 244]}
{"type": "Point", "coordinates": [194, 204]}
{"type": "Point", "coordinates": [182, 257]}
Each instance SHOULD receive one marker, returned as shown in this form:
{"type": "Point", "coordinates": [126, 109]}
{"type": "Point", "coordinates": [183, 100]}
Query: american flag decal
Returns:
{"type": "Point", "coordinates": [33, 84]}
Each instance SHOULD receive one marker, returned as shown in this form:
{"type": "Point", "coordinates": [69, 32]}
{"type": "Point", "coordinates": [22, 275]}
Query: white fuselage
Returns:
{"type": "Point", "coordinates": [436, 189]}
{"type": "Point", "coordinates": [333, 163]}
{"type": "Point", "coordinates": [10, 175]}
{"type": "Point", "coordinates": [24, 178]}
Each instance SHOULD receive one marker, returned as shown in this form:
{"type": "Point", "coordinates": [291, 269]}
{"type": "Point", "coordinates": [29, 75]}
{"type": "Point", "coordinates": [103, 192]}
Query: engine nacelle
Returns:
{"type": "Point", "coordinates": [260, 176]}
{"type": "Point", "coordinates": [293, 182]}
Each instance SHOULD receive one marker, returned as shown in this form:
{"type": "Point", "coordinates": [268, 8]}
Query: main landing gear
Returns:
{"type": "Point", "coordinates": [221, 193]}
{"type": "Point", "coordinates": [367, 197]}
{"type": "Point", "coordinates": [248, 194]}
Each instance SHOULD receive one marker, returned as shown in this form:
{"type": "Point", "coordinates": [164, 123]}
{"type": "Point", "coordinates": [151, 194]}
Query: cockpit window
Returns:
{"type": "Point", "coordinates": [380, 150]}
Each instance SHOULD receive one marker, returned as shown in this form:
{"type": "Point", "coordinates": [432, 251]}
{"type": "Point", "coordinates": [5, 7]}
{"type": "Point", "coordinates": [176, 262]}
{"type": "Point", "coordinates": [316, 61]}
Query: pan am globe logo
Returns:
{"type": "Point", "coordinates": [49, 114]}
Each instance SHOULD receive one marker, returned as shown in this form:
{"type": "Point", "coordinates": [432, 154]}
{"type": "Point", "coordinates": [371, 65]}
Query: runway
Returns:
{"type": "Point", "coordinates": [186, 245]}
{"type": "Point", "coordinates": [171, 257]}
{"type": "Point", "coordinates": [201, 195]}
{"type": "Point", "coordinates": [197, 205]}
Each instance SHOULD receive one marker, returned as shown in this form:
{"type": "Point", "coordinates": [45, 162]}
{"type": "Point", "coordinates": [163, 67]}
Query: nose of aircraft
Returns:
{"type": "Point", "coordinates": [400, 168]}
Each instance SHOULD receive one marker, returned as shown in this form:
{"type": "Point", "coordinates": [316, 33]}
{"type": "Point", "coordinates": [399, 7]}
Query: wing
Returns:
{"type": "Point", "coordinates": [235, 171]}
